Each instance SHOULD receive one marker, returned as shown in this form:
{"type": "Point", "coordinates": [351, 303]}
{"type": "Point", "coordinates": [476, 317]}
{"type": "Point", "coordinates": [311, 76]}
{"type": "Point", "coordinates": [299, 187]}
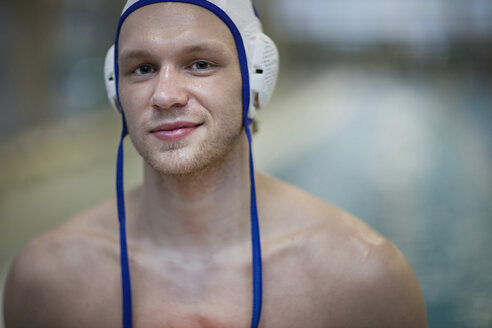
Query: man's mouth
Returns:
{"type": "Point", "coordinates": [175, 130]}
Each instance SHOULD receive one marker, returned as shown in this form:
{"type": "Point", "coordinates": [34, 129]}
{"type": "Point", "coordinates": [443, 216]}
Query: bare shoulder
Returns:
{"type": "Point", "coordinates": [58, 272]}
{"type": "Point", "coordinates": [362, 278]}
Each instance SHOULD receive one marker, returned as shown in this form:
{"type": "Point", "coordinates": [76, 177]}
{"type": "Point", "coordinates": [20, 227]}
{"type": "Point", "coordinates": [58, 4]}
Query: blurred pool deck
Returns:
{"type": "Point", "coordinates": [408, 152]}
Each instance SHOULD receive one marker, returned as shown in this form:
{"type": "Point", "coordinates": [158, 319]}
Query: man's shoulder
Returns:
{"type": "Point", "coordinates": [374, 280]}
{"type": "Point", "coordinates": [55, 270]}
{"type": "Point", "coordinates": [322, 227]}
{"type": "Point", "coordinates": [354, 268]}
{"type": "Point", "coordinates": [286, 206]}
{"type": "Point", "coordinates": [68, 242]}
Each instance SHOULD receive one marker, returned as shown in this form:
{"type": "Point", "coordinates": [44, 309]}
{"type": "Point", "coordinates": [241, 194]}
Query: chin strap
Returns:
{"type": "Point", "coordinates": [125, 268]}
{"type": "Point", "coordinates": [255, 240]}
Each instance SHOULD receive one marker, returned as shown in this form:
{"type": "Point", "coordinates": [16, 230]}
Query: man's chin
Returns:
{"type": "Point", "coordinates": [183, 159]}
{"type": "Point", "coordinates": [178, 166]}
{"type": "Point", "coordinates": [177, 171]}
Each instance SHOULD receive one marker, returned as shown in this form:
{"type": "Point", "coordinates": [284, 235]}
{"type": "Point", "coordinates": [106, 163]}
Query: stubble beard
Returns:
{"type": "Point", "coordinates": [182, 160]}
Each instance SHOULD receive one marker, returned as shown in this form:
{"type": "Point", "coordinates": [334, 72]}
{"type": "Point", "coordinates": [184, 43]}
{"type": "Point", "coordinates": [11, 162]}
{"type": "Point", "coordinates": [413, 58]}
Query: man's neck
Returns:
{"type": "Point", "coordinates": [198, 213]}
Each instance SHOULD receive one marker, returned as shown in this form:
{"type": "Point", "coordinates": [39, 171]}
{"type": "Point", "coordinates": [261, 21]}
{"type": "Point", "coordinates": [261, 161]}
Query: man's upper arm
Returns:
{"type": "Point", "coordinates": [390, 294]}
{"type": "Point", "coordinates": [27, 296]}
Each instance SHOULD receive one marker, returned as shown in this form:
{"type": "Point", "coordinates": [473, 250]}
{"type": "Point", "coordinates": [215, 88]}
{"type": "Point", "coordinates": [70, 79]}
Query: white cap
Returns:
{"type": "Point", "coordinates": [261, 52]}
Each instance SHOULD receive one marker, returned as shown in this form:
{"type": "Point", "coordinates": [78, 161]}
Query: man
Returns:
{"type": "Point", "coordinates": [183, 75]}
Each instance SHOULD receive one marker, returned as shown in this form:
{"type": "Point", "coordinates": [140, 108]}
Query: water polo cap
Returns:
{"type": "Point", "coordinates": [261, 53]}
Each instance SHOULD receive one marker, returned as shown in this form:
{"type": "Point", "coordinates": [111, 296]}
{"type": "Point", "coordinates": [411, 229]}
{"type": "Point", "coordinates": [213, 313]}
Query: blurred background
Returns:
{"type": "Point", "coordinates": [383, 108]}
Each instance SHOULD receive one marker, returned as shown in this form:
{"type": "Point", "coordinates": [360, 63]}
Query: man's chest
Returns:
{"type": "Point", "coordinates": [221, 301]}
{"type": "Point", "coordinates": [167, 305]}
{"type": "Point", "coordinates": [172, 295]}
{"type": "Point", "coordinates": [219, 312]}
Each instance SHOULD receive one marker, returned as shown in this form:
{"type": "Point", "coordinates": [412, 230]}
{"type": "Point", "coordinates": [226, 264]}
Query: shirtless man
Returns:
{"type": "Point", "coordinates": [181, 88]}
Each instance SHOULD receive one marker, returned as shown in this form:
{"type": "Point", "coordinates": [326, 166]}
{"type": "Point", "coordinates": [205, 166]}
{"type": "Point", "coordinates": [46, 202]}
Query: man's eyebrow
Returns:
{"type": "Point", "coordinates": [134, 53]}
{"type": "Point", "coordinates": [214, 47]}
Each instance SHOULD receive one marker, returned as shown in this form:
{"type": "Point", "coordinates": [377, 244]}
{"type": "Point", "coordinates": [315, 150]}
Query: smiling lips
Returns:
{"type": "Point", "coordinates": [174, 131]}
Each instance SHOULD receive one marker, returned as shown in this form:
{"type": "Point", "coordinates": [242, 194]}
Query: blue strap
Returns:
{"type": "Point", "coordinates": [255, 241]}
{"type": "Point", "coordinates": [125, 268]}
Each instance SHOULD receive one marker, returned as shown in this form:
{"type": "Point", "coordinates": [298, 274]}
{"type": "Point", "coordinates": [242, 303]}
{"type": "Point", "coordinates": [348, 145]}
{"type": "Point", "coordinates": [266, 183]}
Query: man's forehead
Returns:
{"type": "Point", "coordinates": [179, 13]}
{"type": "Point", "coordinates": [173, 17]}
{"type": "Point", "coordinates": [220, 3]}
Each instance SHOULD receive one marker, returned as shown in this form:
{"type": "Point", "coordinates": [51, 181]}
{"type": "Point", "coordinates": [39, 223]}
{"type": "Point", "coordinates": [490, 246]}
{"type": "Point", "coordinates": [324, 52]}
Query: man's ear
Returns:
{"type": "Point", "coordinates": [118, 108]}
{"type": "Point", "coordinates": [256, 102]}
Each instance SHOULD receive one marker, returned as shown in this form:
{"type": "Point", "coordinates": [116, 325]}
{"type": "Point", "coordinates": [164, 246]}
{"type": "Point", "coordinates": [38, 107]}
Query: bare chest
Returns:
{"type": "Point", "coordinates": [222, 297]}
{"type": "Point", "coordinates": [191, 296]}
{"type": "Point", "coordinates": [201, 295]}
{"type": "Point", "coordinates": [227, 306]}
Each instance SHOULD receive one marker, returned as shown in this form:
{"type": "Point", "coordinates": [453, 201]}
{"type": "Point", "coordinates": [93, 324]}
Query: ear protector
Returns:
{"type": "Point", "coordinates": [264, 72]}
{"type": "Point", "coordinates": [263, 65]}
{"type": "Point", "coordinates": [109, 78]}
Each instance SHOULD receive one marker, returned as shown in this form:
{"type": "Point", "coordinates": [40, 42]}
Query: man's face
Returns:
{"type": "Point", "coordinates": [180, 86]}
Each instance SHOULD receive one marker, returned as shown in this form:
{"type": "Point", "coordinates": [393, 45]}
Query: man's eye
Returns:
{"type": "Point", "coordinates": [201, 65]}
{"type": "Point", "coordinates": [144, 69]}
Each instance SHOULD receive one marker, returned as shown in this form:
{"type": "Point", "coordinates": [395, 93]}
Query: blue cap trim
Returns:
{"type": "Point", "coordinates": [255, 233]}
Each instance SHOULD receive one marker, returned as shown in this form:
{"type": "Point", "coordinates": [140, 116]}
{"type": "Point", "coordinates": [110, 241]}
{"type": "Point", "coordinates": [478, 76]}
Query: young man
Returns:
{"type": "Point", "coordinates": [185, 75]}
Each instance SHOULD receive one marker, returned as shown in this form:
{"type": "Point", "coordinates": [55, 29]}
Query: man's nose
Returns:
{"type": "Point", "coordinates": [170, 90]}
